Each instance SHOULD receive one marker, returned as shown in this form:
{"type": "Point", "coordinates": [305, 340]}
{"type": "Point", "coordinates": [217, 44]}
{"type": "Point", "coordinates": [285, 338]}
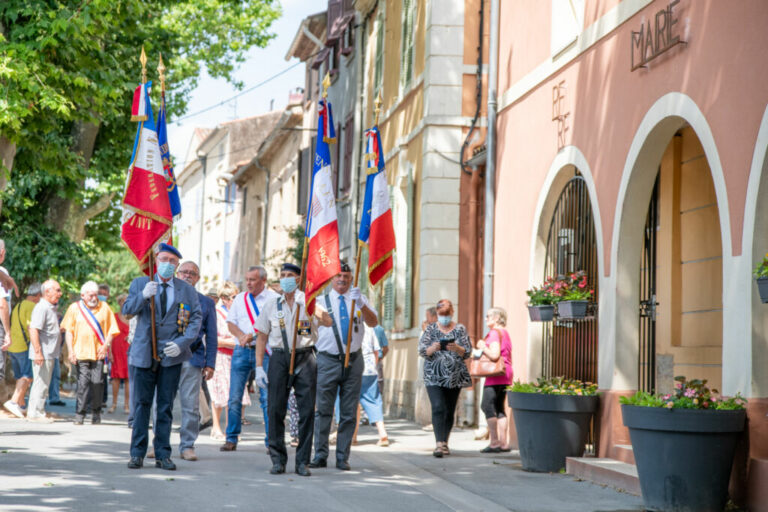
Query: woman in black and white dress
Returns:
{"type": "Point", "coordinates": [444, 346]}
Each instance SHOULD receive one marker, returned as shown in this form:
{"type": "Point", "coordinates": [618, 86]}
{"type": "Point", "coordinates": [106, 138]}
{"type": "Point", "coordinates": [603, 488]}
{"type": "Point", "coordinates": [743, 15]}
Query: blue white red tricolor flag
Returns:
{"type": "Point", "coordinates": [165, 155]}
{"type": "Point", "coordinates": [322, 229]}
{"type": "Point", "coordinates": [147, 216]}
{"type": "Point", "coordinates": [376, 227]}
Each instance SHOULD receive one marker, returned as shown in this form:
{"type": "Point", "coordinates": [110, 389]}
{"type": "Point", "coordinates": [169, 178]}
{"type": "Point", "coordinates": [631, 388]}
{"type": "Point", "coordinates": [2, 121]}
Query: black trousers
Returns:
{"type": "Point", "coordinates": [162, 385]}
{"type": "Point", "coordinates": [443, 401]}
{"type": "Point", "coordinates": [90, 387]}
{"type": "Point", "coordinates": [304, 384]}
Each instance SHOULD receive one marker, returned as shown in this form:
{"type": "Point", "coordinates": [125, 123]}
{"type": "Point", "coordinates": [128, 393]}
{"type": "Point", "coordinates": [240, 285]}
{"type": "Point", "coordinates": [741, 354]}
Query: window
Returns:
{"type": "Point", "coordinates": [245, 199]}
{"type": "Point", "coordinates": [230, 196]}
{"type": "Point", "coordinates": [406, 48]}
{"type": "Point", "coordinates": [305, 172]}
{"type": "Point", "coordinates": [379, 65]}
{"type": "Point", "coordinates": [348, 40]}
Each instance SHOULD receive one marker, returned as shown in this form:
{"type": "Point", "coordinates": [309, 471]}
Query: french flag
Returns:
{"type": "Point", "coordinates": [376, 228]}
{"type": "Point", "coordinates": [147, 217]}
{"type": "Point", "coordinates": [322, 229]}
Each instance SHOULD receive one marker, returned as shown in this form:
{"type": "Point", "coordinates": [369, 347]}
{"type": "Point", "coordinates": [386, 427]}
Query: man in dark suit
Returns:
{"type": "Point", "coordinates": [178, 319]}
{"type": "Point", "coordinates": [200, 367]}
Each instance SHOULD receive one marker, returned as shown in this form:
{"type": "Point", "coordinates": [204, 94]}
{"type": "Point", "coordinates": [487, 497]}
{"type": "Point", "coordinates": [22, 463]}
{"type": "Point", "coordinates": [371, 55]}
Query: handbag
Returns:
{"type": "Point", "coordinates": [483, 366]}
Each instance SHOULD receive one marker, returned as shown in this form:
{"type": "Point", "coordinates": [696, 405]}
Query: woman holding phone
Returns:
{"type": "Point", "coordinates": [444, 346]}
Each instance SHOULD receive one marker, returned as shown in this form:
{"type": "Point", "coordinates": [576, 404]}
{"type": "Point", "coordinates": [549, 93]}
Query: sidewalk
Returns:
{"type": "Point", "coordinates": [64, 467]}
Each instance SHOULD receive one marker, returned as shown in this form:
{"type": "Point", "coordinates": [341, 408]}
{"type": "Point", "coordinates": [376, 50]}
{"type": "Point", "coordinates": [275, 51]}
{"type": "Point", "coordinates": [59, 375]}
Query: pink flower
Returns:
{"type": "Point", "coordinates": [679, 385]}
{"type": "Point", "coordinates": [667, 397]}
{"type": "Point", "coordinates": [690, 393]}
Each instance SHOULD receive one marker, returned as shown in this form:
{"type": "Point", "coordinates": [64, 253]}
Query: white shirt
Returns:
{"type": "Point", "coordinates": [326, 340]}
{"type": "Point", "coordinates": [238, 314]}
{"type": "Point", "coordinates": [269, 323]}
{"type": "Point", "coordinates": [370, 349]}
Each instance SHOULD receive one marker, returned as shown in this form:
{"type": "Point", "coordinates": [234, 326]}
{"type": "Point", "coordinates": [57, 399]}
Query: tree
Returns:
{"type": "Point", "coordinates": [67, 73]}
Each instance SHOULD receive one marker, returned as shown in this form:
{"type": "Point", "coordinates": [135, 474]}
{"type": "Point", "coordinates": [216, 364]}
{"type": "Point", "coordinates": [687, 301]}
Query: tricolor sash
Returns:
{"type": "Point", "coordinates": [95, 326]}
{"type": "Point", "coordinates": [253, 311]}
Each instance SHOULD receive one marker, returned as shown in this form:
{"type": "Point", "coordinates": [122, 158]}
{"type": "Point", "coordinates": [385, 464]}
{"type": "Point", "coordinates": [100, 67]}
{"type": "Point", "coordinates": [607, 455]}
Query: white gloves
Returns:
{"type": "Point", "coordinates": [150, 289]}
{"type": "Point", "coordinates": [357, 296]}
{"type": "Point", "coordinates": [261, 377]}
{"type": "Point", "coordinates": [171, 349]}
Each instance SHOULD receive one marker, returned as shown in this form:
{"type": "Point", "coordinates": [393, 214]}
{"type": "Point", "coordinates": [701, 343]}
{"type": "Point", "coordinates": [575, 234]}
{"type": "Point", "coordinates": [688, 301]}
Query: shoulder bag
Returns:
{"type": "Point", "coordinates": [483, 366]}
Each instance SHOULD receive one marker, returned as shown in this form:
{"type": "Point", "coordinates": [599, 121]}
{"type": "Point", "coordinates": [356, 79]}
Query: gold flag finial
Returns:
{"type": "Point", "coordinates": [326, 84]}
{"type": "Point", "coordinates": [143, 60]}
{"type": "Point", "coordinates": [377, 110]}
{"type": "Point", "coordinates": [161, 72]}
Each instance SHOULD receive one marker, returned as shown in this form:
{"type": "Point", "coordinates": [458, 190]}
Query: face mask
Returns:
{"type": "Point", "coordinates": [103, 298]}
{"type": "Point", "coordinates": [445, 321]}
{"type": "Point", "coordinates": [165, 269]}
{"type": "Point", "coordinates": [288, 284]}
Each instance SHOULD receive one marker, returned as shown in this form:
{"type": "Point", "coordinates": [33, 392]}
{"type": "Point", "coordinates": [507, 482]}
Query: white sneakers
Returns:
{"type": "Point", "coordinates": [40, 419]}
{"type": "Point", "coordinates": [13, 408]}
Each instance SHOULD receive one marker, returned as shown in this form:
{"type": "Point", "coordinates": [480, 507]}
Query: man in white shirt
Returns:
{"type": "Point", "coordinates": [243, 314]}
{"type": "Point", "coordinates": [277, 329]}
{"type": "Point", "coordinates": [332, 377]}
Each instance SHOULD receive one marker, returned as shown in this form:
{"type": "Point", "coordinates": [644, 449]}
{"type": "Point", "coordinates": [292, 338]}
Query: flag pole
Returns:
{"type": "Point", "coordinates": [377, 111]}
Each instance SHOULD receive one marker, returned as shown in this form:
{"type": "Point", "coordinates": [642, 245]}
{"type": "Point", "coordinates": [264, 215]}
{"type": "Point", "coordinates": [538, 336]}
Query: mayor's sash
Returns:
{"type": "Point", "coordinates": [95, 326]}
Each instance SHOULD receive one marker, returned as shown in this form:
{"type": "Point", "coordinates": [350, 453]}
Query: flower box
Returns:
{"type": "Point", "coordinates": [541, 313]}
{"type": "Point", "coordinates": [572, 309]}
{"type": "Point", "coordinates": [762, 288]}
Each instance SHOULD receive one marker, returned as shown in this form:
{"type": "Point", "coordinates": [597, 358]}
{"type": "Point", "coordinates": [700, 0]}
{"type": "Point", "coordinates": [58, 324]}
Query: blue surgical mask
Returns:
{"type": "Point", "coordinates": [288, 284]}
{"type": "Point", "coordinates": [445, 321]}
{"type": "Point", "coordinates": [103, 298]}
{"type": "Point", "coordinates": [165, 269]}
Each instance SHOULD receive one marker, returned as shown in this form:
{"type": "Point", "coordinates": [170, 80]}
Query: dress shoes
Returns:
{"type": "Point", "coordinates": [277, 469]}
{"type": "Point", "coordinates": [318, 463]}
{"type": "Point", "coordinates": [135, 463]}
{"type": "Point", "coordinates": [205, 425]}
{"type": "Point", "coordinates": [189, 454]}
{"type": "Point", "coordinates": [57, 403]}
{"type": "Point", "coordinates": [96, 420]}
{"type": "Point", "coordinates": [303, 470]}
{"type": "Point", "coordinates": [343, 465]}
{"type": "Point", "coordinates": [166, 464]}
{"type": "Point", "coordinates": [228, 447]}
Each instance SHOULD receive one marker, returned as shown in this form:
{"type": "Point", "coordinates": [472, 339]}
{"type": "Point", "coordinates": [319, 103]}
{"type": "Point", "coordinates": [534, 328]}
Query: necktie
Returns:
{"type": "Point", "coordinates": [344, 319]}
{"type": "Point", "coordinates": [164, 300]}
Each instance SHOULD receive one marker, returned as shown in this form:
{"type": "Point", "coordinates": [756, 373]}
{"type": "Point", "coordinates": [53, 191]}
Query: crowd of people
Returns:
{"type": "Point", "coordinates": [211, 349]}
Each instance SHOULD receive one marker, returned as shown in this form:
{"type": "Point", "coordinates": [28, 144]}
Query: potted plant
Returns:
{"type": "Point", "coordinates": [541, 302]}
{"type": "Point", "coordinates": [761, 276]}
{"type": "Point", "coordinates": [552, 420]}
{"type": "Point", "coordinates": [574, 295]}
{"type": "Point", "coordinates": [684, 444]}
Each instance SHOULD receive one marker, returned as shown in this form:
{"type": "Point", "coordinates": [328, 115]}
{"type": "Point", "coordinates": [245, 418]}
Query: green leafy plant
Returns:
{"type": "Point", "coordinates": [688, 394]}
{"type": "Point", "coordinates": [541, 296]}
{"type": "Point", "coordinates": [555, 386]}
{"type": "Point", "coordinates": [574, 286]}
{"type": "Point", "coordinates": [761, 270]}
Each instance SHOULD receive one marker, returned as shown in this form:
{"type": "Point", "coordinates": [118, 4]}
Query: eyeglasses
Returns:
{"type": "Point", "coordinates": [191, 273]}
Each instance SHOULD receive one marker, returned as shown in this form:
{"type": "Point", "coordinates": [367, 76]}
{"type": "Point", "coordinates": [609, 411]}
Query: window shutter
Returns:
{"type": "Point", "coordinates": [377, 78]}
{"type": "Point", "coordinates": [389, 302]}
{"type": "Point", "coordinates": [225, 266]}
{"type": "Point", "coordinates": [408, 314]}
{"type": "Point", "coordinates": [305, 173]}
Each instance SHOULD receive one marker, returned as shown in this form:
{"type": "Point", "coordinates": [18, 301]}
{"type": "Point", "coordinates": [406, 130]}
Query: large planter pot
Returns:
{"type": "Point", "coordinates": [541, 313]}
{"type": "Point", "coordinates": [762, 288]}
{"type": "Point", "coordinates": [551, 427]}
{"type": "Point", "coordinates": [683, 456]}
{"type": "Point", "coordinates": [572, 309]}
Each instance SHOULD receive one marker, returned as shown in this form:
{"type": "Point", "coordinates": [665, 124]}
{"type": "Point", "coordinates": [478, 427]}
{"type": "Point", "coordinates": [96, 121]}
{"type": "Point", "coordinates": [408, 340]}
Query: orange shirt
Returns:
{"type": "Point", "coordinates": [85, 344]}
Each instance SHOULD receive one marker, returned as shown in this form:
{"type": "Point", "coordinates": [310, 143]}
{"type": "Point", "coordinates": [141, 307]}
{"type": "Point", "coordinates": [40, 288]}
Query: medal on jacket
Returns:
{"type": "Point", "coordinates": [304, 328]}
{"type": "Point", "coordinates": [182, 318]}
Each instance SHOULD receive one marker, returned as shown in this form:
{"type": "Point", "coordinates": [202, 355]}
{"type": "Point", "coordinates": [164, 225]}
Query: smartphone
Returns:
{"type": "Point", "coordinates": [445, 341]}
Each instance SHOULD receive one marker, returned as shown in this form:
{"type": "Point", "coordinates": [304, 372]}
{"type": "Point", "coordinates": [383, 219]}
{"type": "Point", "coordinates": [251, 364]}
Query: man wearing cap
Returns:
{"type": "Point", "coordinates": [332, 378]}
{"type": "Point", "coordinates": [246, 309]}
{"type": "Point", "coordinates": [277, 328]}
{"type": "Point", "coordinates": [178, 318]}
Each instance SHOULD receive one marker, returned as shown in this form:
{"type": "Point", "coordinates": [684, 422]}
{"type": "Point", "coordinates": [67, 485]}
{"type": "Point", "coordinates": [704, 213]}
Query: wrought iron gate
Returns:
{"type": "Point", "coordinates": [646, 361]}
{"type": "Point", "coordinates": [569, 347]}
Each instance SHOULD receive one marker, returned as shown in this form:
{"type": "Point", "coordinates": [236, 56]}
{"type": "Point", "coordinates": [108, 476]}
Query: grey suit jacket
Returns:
{"type": "Point", "coordinates": [167, 328]}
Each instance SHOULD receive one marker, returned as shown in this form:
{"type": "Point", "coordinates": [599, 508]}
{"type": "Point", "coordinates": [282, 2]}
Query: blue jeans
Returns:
{"type": "Point", "coordinates": [164, 382]}
{"type": "Point", "coordinates": [53, 389]}
{"type": "Point", "coordinates": [189, 396]}
{"type": "Point", "coordinates": [243, 361]}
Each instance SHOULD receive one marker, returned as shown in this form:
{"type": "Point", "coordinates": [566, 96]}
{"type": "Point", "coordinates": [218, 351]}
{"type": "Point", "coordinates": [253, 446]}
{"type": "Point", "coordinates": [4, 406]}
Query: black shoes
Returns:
{"type": "Point", "coordinates": [57, 403]}
{"type": "Point", "coordinates": [302, 470]}
{"type": "Point", "coordinates": [166, 464]}
{"type": "Point", "coordinates": [278, 469]}
{"type": "Point", "coordinates": [343, 465]}
{"type": "Point", "coordinates": [228, 447]}
{"type": "Point", "coordinates": [135, 463]}
{"type": "Point", "coordinates": [318, 463]}
{"type": "Point", "coordinates": [96, 421]}
{"type": "Point", "coordinates": [205, 425]}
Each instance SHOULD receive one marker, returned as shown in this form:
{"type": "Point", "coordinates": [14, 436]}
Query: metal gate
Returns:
{"type": "Point", "coordinates": [569, 347]}
{"type": "Point", "coordinates": [646, 361]}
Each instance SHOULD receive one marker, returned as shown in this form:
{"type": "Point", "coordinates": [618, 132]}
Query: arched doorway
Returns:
{"type": "Point", "coordinates": [569, 348]}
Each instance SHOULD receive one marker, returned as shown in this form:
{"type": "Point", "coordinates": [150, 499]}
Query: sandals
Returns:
{"type": "Point", "coordinates": [112, 409]}
{"type": "Point", "coordinates": [438, 453]}
{"type": "Point", "coordinates": [384, 441]}
{"type": "Point", "coordinates": [490, 449]}
{"type": "Point", "coordinates": [446, 450]}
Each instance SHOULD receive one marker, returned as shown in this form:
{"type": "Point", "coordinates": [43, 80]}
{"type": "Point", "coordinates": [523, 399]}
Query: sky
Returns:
{"type": "Point", "coordinates": [260, 64]}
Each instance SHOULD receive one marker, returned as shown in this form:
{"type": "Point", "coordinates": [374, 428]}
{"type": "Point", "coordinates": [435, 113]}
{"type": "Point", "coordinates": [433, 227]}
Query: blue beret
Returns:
{"type": "Point", "coordinates": [290, 267]}
{"type": "Point", "coordinates": [168, 248]}
{"type": "Point", "coordinates": [344, 266]}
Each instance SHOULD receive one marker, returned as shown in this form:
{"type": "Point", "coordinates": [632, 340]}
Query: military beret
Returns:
{"type": "Point", "coordinates": [290, 267]}
{"type": "Point", "coordinates": [344, 266]}
{"type": "Point", "coordinates": [168, 248]}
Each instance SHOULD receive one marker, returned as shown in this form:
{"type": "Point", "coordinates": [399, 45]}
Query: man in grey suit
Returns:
{"type": "Point", "coordinates": [178, 318]}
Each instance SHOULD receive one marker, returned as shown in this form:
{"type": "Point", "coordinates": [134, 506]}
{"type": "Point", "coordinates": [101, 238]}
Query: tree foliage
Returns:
{"type": "Point", "coordinates": [67, 73]}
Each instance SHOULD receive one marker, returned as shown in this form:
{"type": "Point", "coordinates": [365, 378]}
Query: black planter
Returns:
{"type": "Point", "coordinates": [762, 288]}
{"type": "Point", "coordinates": [683, 456]}
{"type": "Point", "coordinates": [541, 313]}
{"type": "Point", "coordinates": [572, 309]}
{"type": "Point", "coordinates": [551, 427]}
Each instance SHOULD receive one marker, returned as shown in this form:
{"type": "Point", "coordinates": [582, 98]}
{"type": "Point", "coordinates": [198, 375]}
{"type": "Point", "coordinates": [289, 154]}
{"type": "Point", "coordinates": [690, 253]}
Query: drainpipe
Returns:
{"type": "Point", "coordinates": [490, 166]}
{"type": "Point", "coordinates": [204, 162]}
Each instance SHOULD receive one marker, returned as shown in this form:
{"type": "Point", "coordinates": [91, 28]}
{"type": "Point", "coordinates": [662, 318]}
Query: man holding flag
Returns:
{"type": "Point", "coordinates": [90, 326]}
